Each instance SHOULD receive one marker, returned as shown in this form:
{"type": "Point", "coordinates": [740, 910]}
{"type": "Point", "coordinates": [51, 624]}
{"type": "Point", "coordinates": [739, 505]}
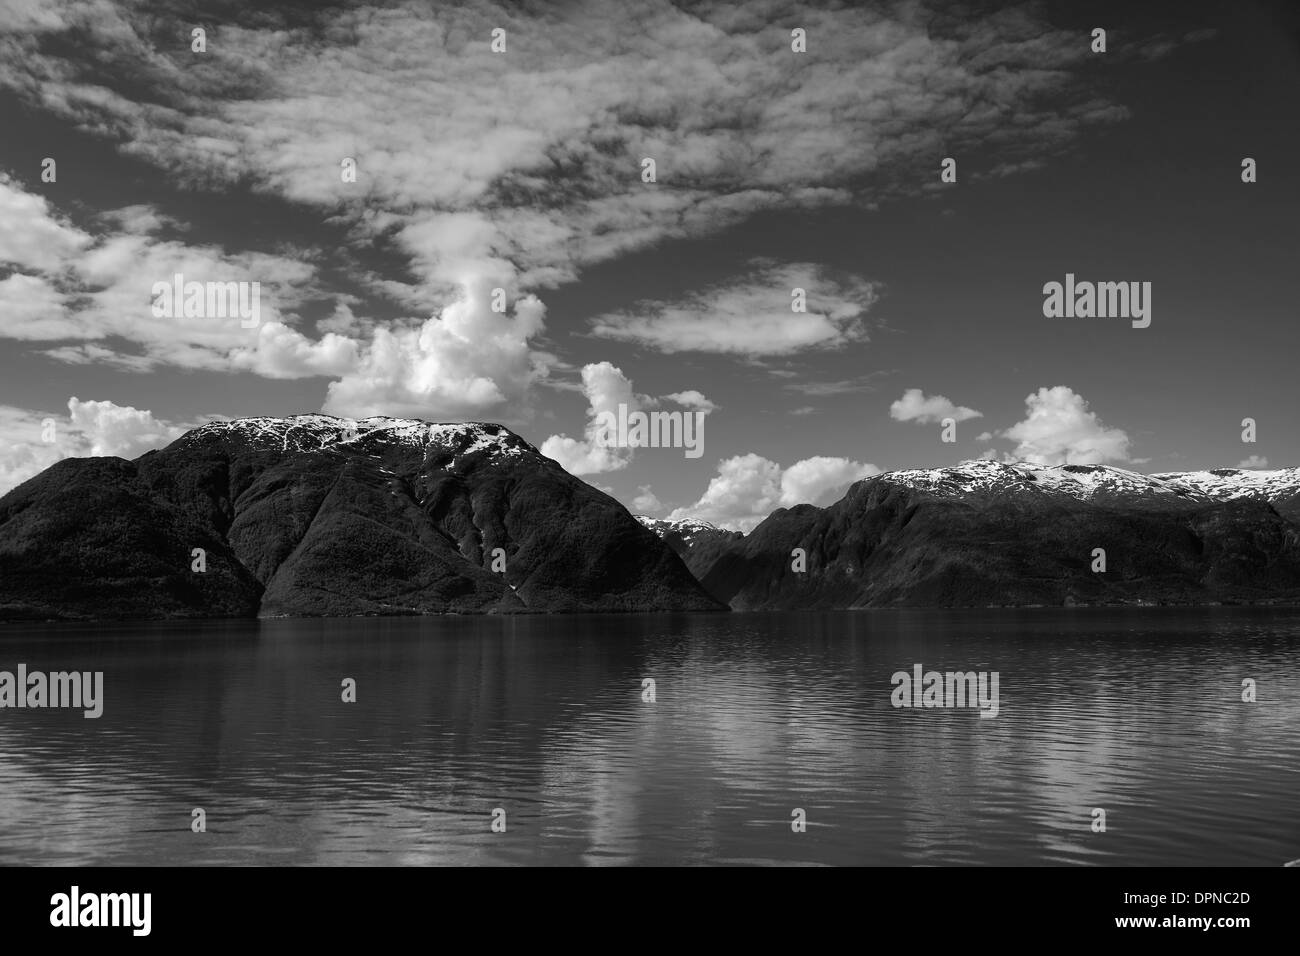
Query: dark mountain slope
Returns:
{"type": "Point", "coordinates": [993, 534]}
{"type": "Point", "coordinates": [303, 516]}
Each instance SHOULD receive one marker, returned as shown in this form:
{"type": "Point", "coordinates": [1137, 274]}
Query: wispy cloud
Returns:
{"type": "Point", "coordinates": [846, 386]}
{"type": "Point", "coordinates": [753, 316]}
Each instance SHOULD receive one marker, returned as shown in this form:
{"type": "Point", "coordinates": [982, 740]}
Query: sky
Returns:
{"type": "Point", "coordinates": [521, 169]}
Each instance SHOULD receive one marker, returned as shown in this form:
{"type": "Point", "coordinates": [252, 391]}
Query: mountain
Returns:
{"type": "Point", "coordinates": [313, 515]}
{"type": "Point", "coordinates": [986, 533]}
{"type": "Point", "coordinates": [1280, 488]}
{"type": "Point", "coordinates": [685, 536]}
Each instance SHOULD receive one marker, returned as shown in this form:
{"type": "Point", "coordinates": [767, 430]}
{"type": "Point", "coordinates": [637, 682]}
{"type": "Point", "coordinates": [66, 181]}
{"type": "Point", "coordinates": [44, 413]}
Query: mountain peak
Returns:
{"type": "Point", "coordinates": [1228, 484]}
{"type": "Point", "coordinates": [316, 432]}
{"type": "Point", "coordinates": [662, 526]}
{"type": "Point", "coordinates": [1083, 482]}
{"type": "Point", "coordinates": [1099, 483]}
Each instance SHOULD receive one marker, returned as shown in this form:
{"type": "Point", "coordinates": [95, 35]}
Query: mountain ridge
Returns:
{"type": "Point", "coordinates": [986, 533]}
{"type": "Point", "coordinates": [314, 515]}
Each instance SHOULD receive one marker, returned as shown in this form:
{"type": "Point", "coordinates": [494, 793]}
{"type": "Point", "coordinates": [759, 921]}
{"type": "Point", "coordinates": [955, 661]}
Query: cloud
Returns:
{"type": "Point", "coordinates": [606, 388]}
{"type": "Point", "coordinates": [646, 501]}
{"type": "Point", "coordinates": [531, 159]}
{"type": "Point", "coordinates": [1060, 430]}
{"type": "Point", "coordinates": [848, 386]}
{"type": "Point", "coordinates": [282, 352]}
{"type": "Point", "coordinates": [747, 488]}
{"type": "Point", "coordinates": [821, 480]}
{"type": "Point", "coordinates": [464, 362]}
{"type": "Point", "coordinates": [693, 400]}
{"type": "Point", "coordinates": [32, 308]}
{"type": "Point", "coordinates": [734, 118]}
{"type": "Point", "coordinates": [31, 441]}
{"type": "Point", "coordinates": [1254, 461]}
{"type": "Point", "coordinates": [750, 316]}
{"type": "Point", "coordinates": [73, 285]}
{"type": "Point", "coordinates": [107, 429]}
{"type": "Point", "coordinates": [917, 407]}
{"type": "Point", "coordinates": [516, 170]}
{"type": "Point", "coordinates": [34, 237]}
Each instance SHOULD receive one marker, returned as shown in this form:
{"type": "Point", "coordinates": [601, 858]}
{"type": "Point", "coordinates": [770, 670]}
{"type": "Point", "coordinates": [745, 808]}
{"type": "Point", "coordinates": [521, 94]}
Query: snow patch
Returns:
{"type": "Point", "coordinates": [322, 432]}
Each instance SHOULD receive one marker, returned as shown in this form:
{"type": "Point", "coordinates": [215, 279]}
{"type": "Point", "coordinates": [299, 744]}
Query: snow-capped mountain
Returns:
{"type": "Point", "coordinates": [319, 515]}
{"type": "Point", "coordinates": [1097, 484]}
{"type": "Point", "coordinates": [1280, 487]}
{"type": "Point", "coordinates": [314, 515]}
{"type": "Point", "coordinates": [686, 528]}
{"type": "Point", "coordinates": [317, 432]}
{"type": "Point", "coordinates": [1101, 485]}
{"type": "Point", "coordinates": [1014, 533]}
{"type": "Point", "coordinates": [685, 536]}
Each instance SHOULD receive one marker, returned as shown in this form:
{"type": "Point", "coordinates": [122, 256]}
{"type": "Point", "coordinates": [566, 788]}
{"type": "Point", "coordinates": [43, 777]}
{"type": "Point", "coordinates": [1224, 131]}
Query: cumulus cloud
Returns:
{"type": "Point", "coordinates": [915, 406]}
{"type": "Point", "coordinates": [31, 441]}
{"type": "Point", "coordinates": [107, 429]}
{"type": "Point", "coordinates": [820, 480]}
{"type": "Point", "coordinates": [606, 388]}
{"type": "Point", "coordinates": [751, 316]}
{"type": "Point", "coordinates": [747, 488]}
{"type": "Point", "coordinates": [1254, 461]}
{"type": "Point", "coordinates": [1059, 429]}
{"type": "Point", "coordinates": [646, 501]}
{"type": "Point", "coordinates": [465, 361]}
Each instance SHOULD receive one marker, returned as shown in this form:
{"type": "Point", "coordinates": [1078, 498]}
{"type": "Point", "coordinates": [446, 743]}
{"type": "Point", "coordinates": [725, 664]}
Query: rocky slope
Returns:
{"type": "Point", "coordinates": [987, 533]}
{"type": "Point", "coordinates": [313, 515]}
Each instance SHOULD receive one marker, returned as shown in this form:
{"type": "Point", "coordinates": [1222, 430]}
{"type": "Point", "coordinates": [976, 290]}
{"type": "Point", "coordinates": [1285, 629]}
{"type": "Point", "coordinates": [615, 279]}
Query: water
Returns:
{"type": "Point", "coordinates": [1138, 712]}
